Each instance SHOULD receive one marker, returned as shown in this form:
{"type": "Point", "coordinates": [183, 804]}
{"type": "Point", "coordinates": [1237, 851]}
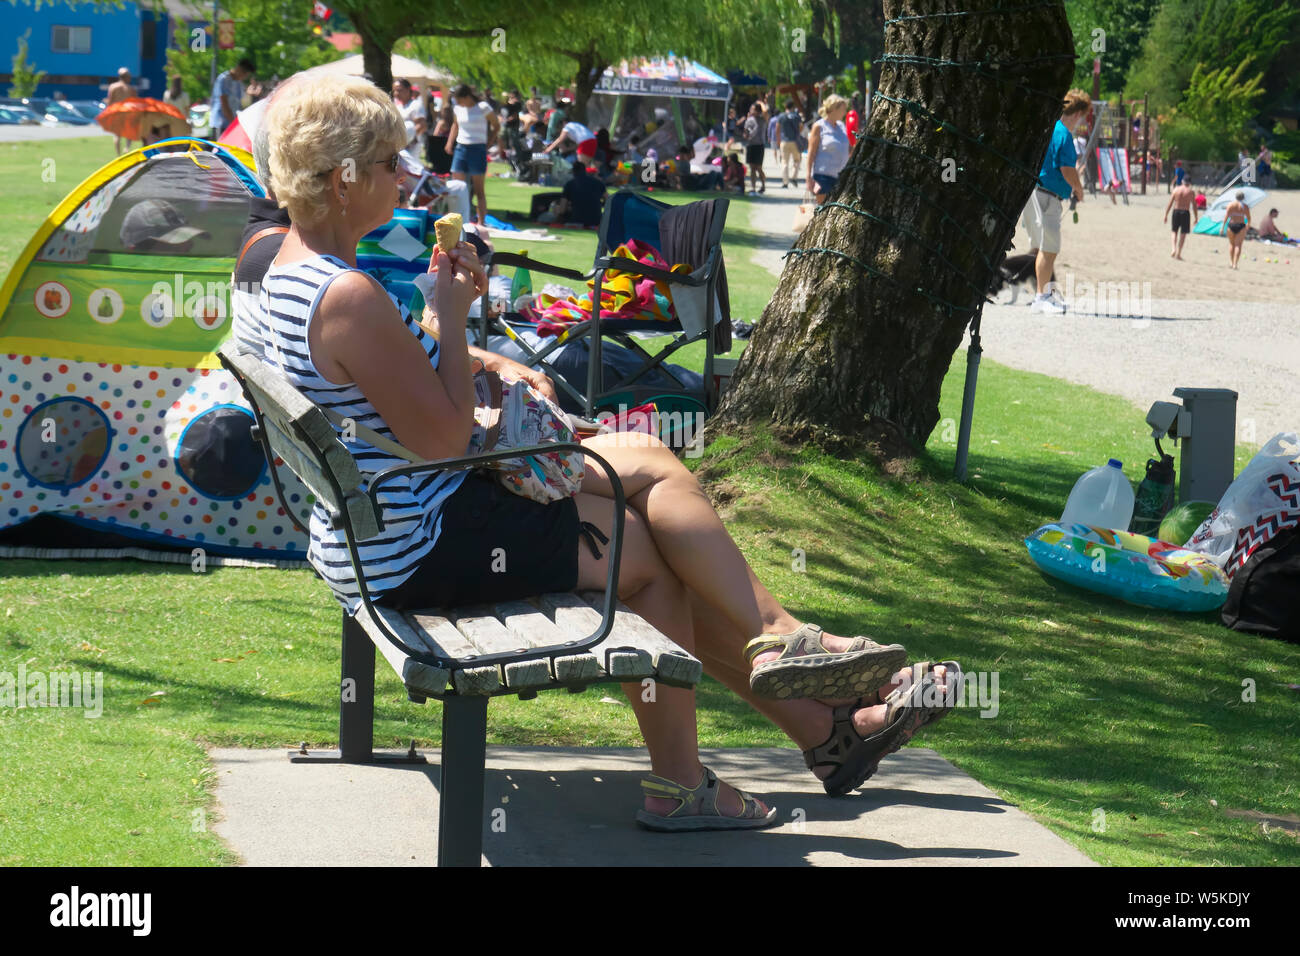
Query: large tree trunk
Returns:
{"type": "Point", "coordinates": [376, 46]}
{"type": "Point", "coordinates": [881, 286]}
{"type": "Point", "coordinates": [591, 64]}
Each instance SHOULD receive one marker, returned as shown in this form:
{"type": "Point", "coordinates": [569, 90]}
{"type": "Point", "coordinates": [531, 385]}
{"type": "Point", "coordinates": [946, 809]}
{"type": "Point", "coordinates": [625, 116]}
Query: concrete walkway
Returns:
{"type": "Point", "coordinates": [574, 807]}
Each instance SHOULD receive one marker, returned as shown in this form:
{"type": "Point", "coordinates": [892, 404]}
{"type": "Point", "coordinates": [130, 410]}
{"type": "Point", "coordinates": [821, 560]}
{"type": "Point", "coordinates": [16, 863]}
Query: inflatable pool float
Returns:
{"type": "Point", "coordinates": [1131, 567]}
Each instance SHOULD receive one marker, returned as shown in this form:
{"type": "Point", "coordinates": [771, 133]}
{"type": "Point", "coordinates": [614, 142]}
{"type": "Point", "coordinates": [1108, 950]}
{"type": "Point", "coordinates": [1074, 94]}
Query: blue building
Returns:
{"type": "Point", "coordinates": [82, 47]}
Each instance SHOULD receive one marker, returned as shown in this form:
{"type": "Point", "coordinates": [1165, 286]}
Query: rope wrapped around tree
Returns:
{"type": "Point", "coordinates": [879, 288]}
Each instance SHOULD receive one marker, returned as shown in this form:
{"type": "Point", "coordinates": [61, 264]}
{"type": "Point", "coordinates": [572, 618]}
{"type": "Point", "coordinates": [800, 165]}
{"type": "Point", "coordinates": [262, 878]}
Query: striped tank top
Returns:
{"type": "Point", "coordinates": [411, 505]}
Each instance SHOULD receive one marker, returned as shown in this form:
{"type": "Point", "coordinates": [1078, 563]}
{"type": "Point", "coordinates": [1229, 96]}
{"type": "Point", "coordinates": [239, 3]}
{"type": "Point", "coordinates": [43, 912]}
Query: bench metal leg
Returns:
{"type": "Point", "coordinates": [356, 707]}
{"type": "Point", "coordinates": [357, 711]}
{"type": "Point", "coordinates": [464, 753]}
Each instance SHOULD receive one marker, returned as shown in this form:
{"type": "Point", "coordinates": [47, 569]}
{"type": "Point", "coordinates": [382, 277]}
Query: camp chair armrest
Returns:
{"type": "Point", "coordinates": [532, 265]}
{"type": "Point", "coordinates": [615, 546]}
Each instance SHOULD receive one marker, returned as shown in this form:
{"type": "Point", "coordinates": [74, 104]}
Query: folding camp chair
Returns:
{"type": "Point", "coordinates": [690, 233]}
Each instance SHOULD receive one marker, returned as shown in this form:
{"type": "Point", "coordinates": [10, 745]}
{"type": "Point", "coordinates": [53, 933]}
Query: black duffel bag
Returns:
{"type": "Point", "coordinates": [1264, 597]}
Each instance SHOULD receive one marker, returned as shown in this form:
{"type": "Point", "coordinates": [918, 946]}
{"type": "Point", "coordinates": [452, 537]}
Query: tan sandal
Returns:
{"type": "Point", "coordinates": [912, 705]}
{"type": "Point", "coordinates": [704, 796]}
{"type": "Point", "coordinates": [806, 669]}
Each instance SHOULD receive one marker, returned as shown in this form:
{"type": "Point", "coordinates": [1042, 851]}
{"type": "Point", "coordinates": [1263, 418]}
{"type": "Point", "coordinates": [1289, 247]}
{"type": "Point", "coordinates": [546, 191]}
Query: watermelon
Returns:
{"type": "Point", "coordinates": [1183, 520]}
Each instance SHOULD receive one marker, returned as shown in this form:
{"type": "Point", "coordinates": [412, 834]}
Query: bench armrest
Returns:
{"type": "Point", "coordinates": [615, 544]}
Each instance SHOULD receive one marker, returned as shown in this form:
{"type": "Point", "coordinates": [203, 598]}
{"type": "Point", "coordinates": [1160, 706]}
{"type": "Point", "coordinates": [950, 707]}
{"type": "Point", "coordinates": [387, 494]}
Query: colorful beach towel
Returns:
{"type": "Point", "coordinates": [622, 295]}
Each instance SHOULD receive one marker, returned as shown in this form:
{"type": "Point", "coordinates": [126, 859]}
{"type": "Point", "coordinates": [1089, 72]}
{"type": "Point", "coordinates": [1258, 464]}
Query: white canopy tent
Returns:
{"type": "Point", "coordinates": [403, 68]}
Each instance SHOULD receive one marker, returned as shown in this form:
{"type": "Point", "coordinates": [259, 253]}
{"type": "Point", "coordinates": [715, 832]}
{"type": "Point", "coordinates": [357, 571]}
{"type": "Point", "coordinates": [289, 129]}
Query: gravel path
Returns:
{"type": "Point", "coordinates": [1250, 347]}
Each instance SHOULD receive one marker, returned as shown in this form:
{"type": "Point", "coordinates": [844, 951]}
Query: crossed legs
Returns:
{"type": "Point", "coordinates": [673, 534]}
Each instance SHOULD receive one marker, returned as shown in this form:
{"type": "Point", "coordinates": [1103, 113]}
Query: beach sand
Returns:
{"type": "Point", "coordinates": [1118, 243]}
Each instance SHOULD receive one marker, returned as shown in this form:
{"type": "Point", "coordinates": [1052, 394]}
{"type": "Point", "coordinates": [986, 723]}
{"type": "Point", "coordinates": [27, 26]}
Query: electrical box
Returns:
{"type": "Point", "coordinates": [1206, 429]}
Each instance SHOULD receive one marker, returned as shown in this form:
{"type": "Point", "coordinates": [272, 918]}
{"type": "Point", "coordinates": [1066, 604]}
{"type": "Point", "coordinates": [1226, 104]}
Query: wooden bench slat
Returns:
{"type": "Point", "coordinates": [417, 676]}
{"type": "Point", "coordinates": [676, 667]}
{"type": "Point", "coordinates": [623, 658]}
{"type": "Point", "coordinates": [529, 625]}
{"type": "Point", "coordinates": [450, 644]}
{"type": "Point", "coordinates": [480, 627]}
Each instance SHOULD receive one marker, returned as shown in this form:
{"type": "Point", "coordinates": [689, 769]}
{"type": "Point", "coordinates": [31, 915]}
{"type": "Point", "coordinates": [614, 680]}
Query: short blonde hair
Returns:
{"type": "Point", "coordinates": [317, 126]}
{"type": "Point", "coordinates": [831, 103]}
{"type": "Point", "coordinates": [1076, 101]}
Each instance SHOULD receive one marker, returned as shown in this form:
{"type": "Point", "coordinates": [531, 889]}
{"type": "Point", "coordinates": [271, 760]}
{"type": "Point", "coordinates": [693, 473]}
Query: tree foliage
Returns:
{"type": "Point", "coordinates": [1219, 103]}
{"type": "Point", "coordinates": [1124, 25]}
{"type": "Point", "coordinates": [24, 76]}
{"type": "Point", "coordinates": [572, 43]}
{"type": "Point", "coordinates": [276, 36]}
{"type": "Point", "coordinates": [1217, 34]}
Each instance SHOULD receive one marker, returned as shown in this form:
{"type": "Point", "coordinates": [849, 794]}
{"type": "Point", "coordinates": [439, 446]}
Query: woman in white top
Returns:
{"type": "Point", "coordinates": [828, 147]}
{"type": "Point", "coordinates": [335, 333]}
{"type": "Point", "coordinates": [473, 130]}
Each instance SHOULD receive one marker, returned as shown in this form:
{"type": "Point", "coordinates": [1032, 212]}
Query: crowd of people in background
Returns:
{"type": "Point", "coordinates": [453, 134]}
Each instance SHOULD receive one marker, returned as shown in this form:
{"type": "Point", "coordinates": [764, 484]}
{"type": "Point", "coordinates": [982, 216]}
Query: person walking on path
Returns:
{"type": "Point", "coordinates": [1057, 181]}
{"type": "Point", "coordinates": [1183, 203]}
{"type": "Point", "coordinates": [1236, 218]}
{"type": "Point", "coordinates": [789, 128]}
{"type": "Point", "coordinates": [828, 148]}
{"type": "Point", "coordinates": [755, 146]}
{"type": "Point", "coordinates": [122, 89]}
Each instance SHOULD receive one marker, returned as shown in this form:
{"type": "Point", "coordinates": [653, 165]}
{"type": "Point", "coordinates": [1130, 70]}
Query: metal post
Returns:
{"type": "Point", "coordinates": [973, 354]}
{"type": "Point", "coordinates": [464, 751]}
{"type": "Point", "coordinates": [1146, 141]}
{"type": "Point", "coordinates": [212, 79]}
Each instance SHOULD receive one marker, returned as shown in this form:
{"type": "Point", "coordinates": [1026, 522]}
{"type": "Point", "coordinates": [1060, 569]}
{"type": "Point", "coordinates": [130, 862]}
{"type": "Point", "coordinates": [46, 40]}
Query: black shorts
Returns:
{"type": "Point", "coordinates": [494, 546]}
{"type": "Point", "coordinates": [754, 156]}
{"type": "Point", "coordinates": [1182, 221]}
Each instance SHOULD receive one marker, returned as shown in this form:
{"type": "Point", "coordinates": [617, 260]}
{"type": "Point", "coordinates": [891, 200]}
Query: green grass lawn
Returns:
{"type": "Point", "coordinates": [1102, 705]}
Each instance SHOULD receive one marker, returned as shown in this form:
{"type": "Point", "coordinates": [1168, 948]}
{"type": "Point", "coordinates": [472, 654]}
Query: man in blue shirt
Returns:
{"type": "Point", "coordinates": [1057, 180]}
{"type": "Point", "coordinates": [227, 96]}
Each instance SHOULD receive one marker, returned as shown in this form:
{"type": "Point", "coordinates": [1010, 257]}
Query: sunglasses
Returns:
{"type": "Point", "coordinates": [391, 162]}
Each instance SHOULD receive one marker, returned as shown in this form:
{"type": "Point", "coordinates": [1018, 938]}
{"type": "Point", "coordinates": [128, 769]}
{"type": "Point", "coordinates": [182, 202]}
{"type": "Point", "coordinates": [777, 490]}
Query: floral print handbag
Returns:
{"type": "Point", "coordinates": [513, 414]}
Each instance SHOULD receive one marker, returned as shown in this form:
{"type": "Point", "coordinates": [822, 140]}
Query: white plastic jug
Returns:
{"type": "Point", "coordinates": [1101, 498]}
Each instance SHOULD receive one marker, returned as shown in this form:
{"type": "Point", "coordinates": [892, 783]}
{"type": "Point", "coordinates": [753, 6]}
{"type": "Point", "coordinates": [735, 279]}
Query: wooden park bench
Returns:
{"type": "Point", "coordinates": [461, 656]}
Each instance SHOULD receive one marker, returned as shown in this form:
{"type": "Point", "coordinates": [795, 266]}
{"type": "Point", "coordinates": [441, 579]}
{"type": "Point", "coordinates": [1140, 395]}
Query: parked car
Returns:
{"type": "Point", "coordinates": [90, 108]}
{"type": "Point", "coordinates": [66, 115]}
{"type": "Point", "coordinates": [18, 115]}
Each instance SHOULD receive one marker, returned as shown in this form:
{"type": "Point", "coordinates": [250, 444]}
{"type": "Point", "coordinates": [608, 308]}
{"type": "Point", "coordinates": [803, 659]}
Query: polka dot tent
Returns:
{"type": "Point", "coordinates": [114, 413]}
{"type": "Point", "coordinates": [117, 457]}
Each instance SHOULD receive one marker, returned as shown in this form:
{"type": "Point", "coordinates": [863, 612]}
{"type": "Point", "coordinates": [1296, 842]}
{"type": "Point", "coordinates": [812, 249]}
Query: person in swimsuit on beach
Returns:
{"type": "Point", "coordinates": [1236, 218]}
{"type": "Point", "coordinates": [1182, 202]}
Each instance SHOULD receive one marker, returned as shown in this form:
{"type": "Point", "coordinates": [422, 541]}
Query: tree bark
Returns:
{"type": "Point", "coordinates": [875, 297]}
{"type": "Point", "coordinates": [591, 64]}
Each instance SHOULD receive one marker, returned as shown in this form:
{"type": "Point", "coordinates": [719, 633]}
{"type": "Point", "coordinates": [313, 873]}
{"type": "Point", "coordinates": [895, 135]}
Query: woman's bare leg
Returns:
{"type": "Point", "coordinates": [648, 586]}
{"type": "Point", "coordinates": [481, 195]}
{"type": "Point", "coordinates": [690, 536]}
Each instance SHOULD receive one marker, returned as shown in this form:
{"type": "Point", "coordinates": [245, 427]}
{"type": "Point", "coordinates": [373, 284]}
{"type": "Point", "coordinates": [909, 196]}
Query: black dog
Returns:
{"type": "Point", "coordinates": [1012, 271]}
